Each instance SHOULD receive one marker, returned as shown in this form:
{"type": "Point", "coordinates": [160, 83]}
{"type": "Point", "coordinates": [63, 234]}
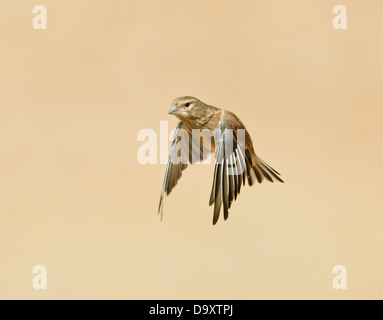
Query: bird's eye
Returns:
{"type": "Point", "coordinates": [187, 104]}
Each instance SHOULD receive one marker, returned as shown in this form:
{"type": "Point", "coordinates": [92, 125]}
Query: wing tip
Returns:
{"type": "Point", "coordinates": [161, 208]}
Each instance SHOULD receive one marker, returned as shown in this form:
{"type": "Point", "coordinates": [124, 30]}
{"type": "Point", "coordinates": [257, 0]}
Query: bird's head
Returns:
{"type": "Point", "coordinates": [187, 108]}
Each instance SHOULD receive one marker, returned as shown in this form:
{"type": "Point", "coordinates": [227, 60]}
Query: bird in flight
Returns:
{"type": "Point", "coordinates": [202, 130]}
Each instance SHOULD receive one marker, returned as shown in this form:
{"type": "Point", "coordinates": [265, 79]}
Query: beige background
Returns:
{"type": "Point", "coordinates": [74, 198]}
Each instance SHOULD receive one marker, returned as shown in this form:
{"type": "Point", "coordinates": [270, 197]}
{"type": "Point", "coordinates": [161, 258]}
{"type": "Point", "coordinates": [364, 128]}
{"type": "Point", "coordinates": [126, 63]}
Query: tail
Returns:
{"type": "Point", "coordinates": [262, 170]}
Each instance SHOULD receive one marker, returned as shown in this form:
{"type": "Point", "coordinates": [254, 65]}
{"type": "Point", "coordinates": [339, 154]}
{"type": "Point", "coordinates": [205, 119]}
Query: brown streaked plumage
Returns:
{"type": "Point", "coordinates": [221, 126]}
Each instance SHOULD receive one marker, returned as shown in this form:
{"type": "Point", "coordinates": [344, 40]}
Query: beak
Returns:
{"type": "Point", "coordinates": [173, 110]}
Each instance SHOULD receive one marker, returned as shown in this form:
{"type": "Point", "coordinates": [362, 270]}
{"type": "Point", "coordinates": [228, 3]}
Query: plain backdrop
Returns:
{"type": "Point", "coordinates": [74, 198]}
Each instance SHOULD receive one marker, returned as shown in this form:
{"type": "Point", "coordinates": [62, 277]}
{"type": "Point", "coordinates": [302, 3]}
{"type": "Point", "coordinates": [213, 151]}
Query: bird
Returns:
{"type": "Point", "coordinates": [227, 137]}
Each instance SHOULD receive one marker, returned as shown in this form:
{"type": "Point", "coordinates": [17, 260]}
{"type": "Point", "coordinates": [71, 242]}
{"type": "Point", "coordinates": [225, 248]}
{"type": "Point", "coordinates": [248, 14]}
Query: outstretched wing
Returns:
{"type": "Point", "coordinates": [229, 172]}
{"type": "Point", "coordinates": [235, 161]}
{"type": "Point", "coordinates": [186, 148]}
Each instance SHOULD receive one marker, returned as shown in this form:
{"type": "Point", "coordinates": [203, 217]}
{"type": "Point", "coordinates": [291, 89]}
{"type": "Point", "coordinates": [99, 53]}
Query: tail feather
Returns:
{"type": "Point", "coordinates": [267, 171]}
